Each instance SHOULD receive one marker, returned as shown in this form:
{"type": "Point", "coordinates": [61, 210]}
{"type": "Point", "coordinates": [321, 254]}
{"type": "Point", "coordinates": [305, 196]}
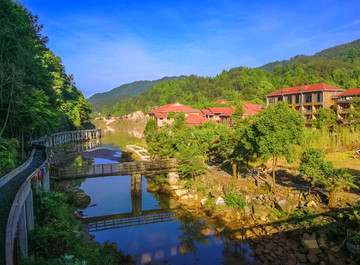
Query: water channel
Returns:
{"type": "Point", "coordinates": [175, 238]}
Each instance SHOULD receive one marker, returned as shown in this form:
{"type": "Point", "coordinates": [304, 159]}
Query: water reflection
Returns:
{"type": "Point", "coordinates": [150, 226]}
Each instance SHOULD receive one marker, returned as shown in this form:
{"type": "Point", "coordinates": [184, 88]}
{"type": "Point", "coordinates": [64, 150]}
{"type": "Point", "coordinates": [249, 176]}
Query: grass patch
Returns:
{"type": "Point", "coordinates": [161, 180]}
{"type": "Point", "coordinates": [235, 201]}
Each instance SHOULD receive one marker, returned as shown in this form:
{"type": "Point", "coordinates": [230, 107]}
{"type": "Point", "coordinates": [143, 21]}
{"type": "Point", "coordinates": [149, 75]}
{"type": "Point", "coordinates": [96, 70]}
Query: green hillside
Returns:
{"type": "Point", "coordinates": [338, 66]}
{"type": "Point", "coordinates": [337, 52]}
{"type": "Point", "coordinates": [110, 98]}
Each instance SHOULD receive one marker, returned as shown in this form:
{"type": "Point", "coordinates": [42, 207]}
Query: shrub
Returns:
{"type": "Point", "coordinates": [235, 201]}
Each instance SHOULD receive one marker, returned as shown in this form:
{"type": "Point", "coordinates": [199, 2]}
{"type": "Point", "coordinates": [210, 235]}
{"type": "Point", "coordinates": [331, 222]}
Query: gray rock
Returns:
{"type": "Point", "coordinates": [173, 177]}
{"type": "Point", "coordinates": [260, 211]}
{"type": "Point", "coordinates": [284, 205]}
{"type": "Point", "coordinates": [220, 201]}
{"type": "Point", "coordinates": [181, 192]}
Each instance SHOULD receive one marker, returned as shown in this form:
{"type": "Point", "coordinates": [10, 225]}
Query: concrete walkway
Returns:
{"type": "Point", "coordinates": [9, 191]}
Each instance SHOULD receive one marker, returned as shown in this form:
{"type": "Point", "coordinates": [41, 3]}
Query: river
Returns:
{"type": "Point", "coordinates": [170, 236]}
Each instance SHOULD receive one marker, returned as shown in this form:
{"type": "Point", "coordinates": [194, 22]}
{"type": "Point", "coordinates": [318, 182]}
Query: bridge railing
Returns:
{"type": "Point", "coordinates": [20, 217]}
{"type": "Point", "coordinates": [5, 179]}
{"type": "Point", "coordinates": [66, 137]}
{"type": "Point", "coordinates": [126, 168]}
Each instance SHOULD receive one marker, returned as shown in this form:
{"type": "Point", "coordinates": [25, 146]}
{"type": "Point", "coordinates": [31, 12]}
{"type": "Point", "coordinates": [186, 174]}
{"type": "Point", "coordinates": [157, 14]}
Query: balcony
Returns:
{"type": "Point", "coordinates": [309, 111]}
{"type": "Point", "coordinates": [344, 100]}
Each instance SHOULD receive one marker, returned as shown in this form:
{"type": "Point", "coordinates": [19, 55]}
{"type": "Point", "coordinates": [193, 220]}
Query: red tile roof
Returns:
{"type": "Point", "coordinates": [305, 88]}
{"type": "Point", "coordinates": [220, 109]}
{"type": "Point", "coordinates": [252, 111]}
{"type": "Point", "coordinates": [194, 119]}
{"type": "Point", "coordinates": [206, 111]}
{"type": "Point", "coordinates": [160, 115]}
{"type": "Point", "coordinates": [174, 107]}
{"type": "Point", "coordinates": [350, 92]}
{"type": "Point", "coordinates": [220, 100]}
{"type": "Point", "coordinates": [253, 106]}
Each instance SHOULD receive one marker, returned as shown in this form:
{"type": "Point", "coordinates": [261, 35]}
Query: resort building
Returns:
{"type": "Point", "coordinates": [195, 120]}
{"type": "Point", "coordinates": [224, 114]}
{"type": "Point", "coordinates": [344, 102]}
{"type": "Point", "coordinates": [307, 99]}
{"type": "Point", "coordinates": [161, 114]}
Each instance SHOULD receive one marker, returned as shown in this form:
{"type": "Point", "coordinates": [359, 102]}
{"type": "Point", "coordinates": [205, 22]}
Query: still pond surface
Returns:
{"type": "Point", "coordinates": [179, 241]}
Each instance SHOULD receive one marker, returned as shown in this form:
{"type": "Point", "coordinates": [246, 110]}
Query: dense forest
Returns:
{"type": "Point", "coordinates": [99, 101]}
{"type": "Point", "coordinates": [341, 70]}
{"type": "Point", "coordinates": [37, 97]}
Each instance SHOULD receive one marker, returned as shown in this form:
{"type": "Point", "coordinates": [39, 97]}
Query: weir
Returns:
{"type": "Point", "coordinates": [16, 196]}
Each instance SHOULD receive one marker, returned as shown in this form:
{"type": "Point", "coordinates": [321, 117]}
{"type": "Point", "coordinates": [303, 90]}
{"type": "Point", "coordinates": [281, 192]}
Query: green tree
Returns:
{"type": "Point", "coordinates": [274, 131]}
{"type": "Point", "coordinates": [313, 165]}
{"type": "Point", "coordinates": [326, 119]}
{"type": "Point", "coordinates": [150, 130]}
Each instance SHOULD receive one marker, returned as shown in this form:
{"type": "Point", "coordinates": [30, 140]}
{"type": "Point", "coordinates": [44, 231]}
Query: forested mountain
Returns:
{"type": "Point", "coordinates": [343, 51]}
{"type": "Point", "coordinates": [110, 98]}
{"type": "Point", "coordinates": [37, 97]}
{"type": "Point", "coordinates": [341, 70]}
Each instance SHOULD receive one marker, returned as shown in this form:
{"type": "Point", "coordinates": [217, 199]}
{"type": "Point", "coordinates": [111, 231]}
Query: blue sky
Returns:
{"type": "Point", "coordinates": [108, 43]}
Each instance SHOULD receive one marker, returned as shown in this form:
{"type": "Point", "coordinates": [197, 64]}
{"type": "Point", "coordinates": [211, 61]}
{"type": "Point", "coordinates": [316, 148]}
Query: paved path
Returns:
{"type": "Point", "coordinates": [8, 193]}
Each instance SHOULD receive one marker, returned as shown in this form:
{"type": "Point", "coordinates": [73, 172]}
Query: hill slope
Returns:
{"type": "Point", "coordinates": [336, 52]}
{"type": "Point", "coordinates": [110, 98]}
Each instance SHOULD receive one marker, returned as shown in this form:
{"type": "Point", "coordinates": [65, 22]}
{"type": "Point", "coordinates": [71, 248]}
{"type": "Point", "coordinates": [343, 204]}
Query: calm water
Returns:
{"type": "Point", "coordinates": [175, 242]}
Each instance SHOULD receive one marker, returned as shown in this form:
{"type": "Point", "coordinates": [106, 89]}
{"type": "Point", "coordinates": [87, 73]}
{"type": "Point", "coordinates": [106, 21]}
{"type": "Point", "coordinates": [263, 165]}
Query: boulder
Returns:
{"type": "Point", "coordinates": [284, 205]}
{"type": "Point", "coordinates": [81, 199]}
{"type": "Point", "coordinates": [247, 210]}
{"type": "Point", "coordinates": [173, 177]}
{"type": "Point", "coordinates": [220, 201]}
{"type": "Point", "coordinates": [181, 192]}
{"type": "Point", "coordinates": [260, 211]}
{"type": "Point", "coordinates": [312, 258]}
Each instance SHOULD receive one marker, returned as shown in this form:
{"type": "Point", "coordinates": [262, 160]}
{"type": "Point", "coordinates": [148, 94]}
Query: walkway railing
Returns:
{"type": "Point", "coordinates": [16, 212]}
{"type": "Point", "coordinates": [126, 168]}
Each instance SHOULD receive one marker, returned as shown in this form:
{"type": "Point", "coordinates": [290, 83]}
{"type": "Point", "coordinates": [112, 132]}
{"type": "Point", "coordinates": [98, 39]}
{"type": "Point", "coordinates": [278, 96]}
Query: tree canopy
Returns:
{"type": "Point", "coordinates": [37, 97]}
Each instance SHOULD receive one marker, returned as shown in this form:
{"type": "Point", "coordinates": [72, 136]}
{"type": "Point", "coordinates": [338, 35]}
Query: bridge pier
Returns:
{"type": "Point", "coordinates": [136, 194]}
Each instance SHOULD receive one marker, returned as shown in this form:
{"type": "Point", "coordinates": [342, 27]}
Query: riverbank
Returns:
{"type": "Point", "coordinates": [59, 238]}
{"type": "Point", "coordinates": [289, 228]}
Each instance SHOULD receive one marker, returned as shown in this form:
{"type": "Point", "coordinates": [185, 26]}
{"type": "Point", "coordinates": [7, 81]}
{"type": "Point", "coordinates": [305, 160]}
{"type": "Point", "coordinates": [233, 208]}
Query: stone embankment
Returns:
{"type": "Point", "coordinates": [272, 240]}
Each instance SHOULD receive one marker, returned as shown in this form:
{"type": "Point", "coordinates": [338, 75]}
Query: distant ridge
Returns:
{"type": "Point", "coordinates": [111, 97]}
{"type": "Point", "coordinates": [335, 52]}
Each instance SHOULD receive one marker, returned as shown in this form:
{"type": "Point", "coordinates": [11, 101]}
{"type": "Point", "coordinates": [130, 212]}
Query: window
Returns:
{"type": "Point", "coordinates": [271, 100]}
{"type": "Point", "coordinates": [297, 99]}
{"type": "Point", "coordinates": [279, 98]}
{"type": "Point", "coordinates": [307, 98]}
{"type": "Point", "coordinates": [318, 97]}
{"type": "Point", "coordinates": [289, 99]}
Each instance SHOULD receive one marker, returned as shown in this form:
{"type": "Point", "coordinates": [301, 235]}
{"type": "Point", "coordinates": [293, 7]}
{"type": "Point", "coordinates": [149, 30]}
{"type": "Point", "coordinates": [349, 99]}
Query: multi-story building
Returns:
{"type": "Point", "coordinates": [344, 102]}
{"type": "Point", "coordinates": [307, 99]}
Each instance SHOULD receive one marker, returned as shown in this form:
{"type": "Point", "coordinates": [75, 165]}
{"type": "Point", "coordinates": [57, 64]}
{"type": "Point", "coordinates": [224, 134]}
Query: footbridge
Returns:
{"type": "Point", "coordinates": [16, 196]}
{"type": "Point", "coordinates": [114, 221]}
{"type": "Point", "coordinates": [148, 167]}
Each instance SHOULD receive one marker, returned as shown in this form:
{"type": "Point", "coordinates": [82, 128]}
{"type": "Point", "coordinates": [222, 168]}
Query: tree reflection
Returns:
{"type": "Point", "coordinates": [192, 227]}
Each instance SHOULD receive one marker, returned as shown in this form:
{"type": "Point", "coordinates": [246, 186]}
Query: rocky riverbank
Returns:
{"type": "Point", "coordinates": [288, 227]}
